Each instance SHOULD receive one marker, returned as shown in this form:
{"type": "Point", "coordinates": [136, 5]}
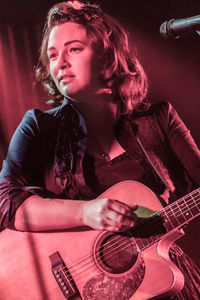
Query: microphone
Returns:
{"type": "Point", "coordinates": [174, 28]}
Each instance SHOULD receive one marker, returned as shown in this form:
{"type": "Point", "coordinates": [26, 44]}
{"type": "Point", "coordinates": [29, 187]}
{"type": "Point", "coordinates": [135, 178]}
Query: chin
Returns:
{"type": "Point", "coordinates": [71, 96]}
{"type": "Point", "coordinates": [75, 93]}
{"type": "Point", "coordinates": [64, 91]}
{"type": "Point", "coordinates": [79, 96]}
{"type": "Point", "coordinates": [67, 92]}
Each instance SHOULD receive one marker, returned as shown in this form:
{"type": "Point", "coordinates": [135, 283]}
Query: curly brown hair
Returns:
{"type": "Point", "coordinates": [121, 71]}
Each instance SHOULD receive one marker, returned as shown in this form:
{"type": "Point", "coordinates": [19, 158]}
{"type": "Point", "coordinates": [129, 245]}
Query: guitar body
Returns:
{"type": "Point", "coordinates": [98, 271]}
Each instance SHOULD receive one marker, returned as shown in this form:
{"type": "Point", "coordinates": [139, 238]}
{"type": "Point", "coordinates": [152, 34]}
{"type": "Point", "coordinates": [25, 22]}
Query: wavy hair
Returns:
{"type": "Point", "coordinates": [121, 71]}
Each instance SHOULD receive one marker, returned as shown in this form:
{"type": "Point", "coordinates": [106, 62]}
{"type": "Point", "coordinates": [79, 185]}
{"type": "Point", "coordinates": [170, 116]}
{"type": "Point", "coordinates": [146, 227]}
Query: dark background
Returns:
{"type": "Point", "coordinates": [173, 66]}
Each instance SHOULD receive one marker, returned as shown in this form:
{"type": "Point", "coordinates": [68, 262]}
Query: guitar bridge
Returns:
{"type": "Point", "coordinates": [63, 276]}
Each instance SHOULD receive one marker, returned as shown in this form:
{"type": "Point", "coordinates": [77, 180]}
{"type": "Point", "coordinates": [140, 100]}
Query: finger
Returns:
{"type": "Point", "coordinates": [111, 228]}
{"type": "Point", "coordinates": [127, 223]}
{"type": "Point", "coordinates": [121, 207]}
{"type": "Point", "coordinates": [115, 228]}
{"type": "Point", "coordinates": [110, 225]}
{"type": "Point", "coordinates": [132, 207]}
{"type": "Point", "coordinates": [122, 226]}
{"type": "Point", "coordinates": [117, 206]}
{"type": "Point", "coordinates": [116, 217]}
{"type": "Point", "coordinates": [119, 219]}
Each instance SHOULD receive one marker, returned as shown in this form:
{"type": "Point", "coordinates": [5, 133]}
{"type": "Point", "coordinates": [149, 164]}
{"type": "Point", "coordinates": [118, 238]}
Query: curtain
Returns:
{"type": "Point", "coordinates": [19, 47]}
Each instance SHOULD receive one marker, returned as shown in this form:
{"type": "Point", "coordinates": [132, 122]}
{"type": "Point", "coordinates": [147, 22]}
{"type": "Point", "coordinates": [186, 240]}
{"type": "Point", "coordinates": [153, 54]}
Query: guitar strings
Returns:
{"type": "Point", "coordinates": [118, 239]}
{"type": "Point", "coordinates": [171, 209]}
{"type": "Point", "coordinates": [129, 243]}
{"type": "Point", "coordinates": [88, 266]}
{"type": "Point", "coordinates": [123, 248]}
{"type": "Point", "coordinates": [147, 219]}
{"type": "Point", "coordinates": [91, 265]}
{"type": "Point", "coordinates": [168, 214]}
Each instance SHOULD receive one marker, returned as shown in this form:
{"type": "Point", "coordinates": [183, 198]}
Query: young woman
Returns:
{"type": "Point", "coordinates": [101, 131]}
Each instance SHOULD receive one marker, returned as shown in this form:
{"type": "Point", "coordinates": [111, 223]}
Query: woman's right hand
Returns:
{"type": "Point", "coordinates": [108, 214]}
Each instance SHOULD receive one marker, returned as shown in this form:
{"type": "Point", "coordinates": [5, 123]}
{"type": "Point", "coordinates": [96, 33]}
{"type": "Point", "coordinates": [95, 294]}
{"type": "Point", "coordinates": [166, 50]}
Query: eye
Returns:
{"type": "Point", "coordinates": [52, 56]}
{"type": "Point", "coordinates": [76, 49]}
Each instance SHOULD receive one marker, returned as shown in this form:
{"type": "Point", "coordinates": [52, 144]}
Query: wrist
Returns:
{"type": "Point", "coordinates": [75, 213]}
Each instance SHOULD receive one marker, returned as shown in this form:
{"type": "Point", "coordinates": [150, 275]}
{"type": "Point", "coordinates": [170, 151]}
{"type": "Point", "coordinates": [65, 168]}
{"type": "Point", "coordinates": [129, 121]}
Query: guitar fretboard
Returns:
{"type": "Point", "coordinates": [166, 220]}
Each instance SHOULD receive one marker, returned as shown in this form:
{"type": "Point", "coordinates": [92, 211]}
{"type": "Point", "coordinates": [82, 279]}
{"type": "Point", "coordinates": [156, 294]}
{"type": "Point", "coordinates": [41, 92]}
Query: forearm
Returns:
{"type": "Point", "coordinates": [39, 214]}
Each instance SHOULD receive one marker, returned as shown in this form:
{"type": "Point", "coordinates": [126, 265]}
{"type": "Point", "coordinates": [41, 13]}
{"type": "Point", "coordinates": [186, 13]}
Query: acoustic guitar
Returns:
{"type": "Point", "coordinates": [98, 265]}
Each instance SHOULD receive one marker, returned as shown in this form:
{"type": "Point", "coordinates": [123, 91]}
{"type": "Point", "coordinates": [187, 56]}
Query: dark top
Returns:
{"type": "Point", "coordinates": [156, 136]}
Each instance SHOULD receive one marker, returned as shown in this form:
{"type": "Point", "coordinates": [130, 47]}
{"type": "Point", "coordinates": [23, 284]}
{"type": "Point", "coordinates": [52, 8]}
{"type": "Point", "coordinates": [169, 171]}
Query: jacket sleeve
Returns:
{"type": "Point", "coordinates": [20, 175]}
{"type": "Point", "coordinates": [181, 141]}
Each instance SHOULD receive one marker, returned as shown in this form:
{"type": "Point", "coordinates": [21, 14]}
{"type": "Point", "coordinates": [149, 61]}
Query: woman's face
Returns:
{"type": "Point", "coordinates": [72, 62]}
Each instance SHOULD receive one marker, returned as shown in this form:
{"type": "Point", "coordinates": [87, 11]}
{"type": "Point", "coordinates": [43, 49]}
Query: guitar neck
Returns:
{"type": "Point", "coordinates": [181, 211]}
{"type": "Point", "coordinates": [168, 219]}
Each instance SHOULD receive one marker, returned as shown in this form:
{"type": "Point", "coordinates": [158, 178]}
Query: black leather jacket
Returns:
{"type": "Point", "coordinates": [155, 137]}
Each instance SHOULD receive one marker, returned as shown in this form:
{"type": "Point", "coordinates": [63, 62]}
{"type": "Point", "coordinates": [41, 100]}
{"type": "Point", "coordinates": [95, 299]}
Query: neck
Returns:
{"type": "Point", "coordinates": [99, 111]}
{"type": "Point", "coordinates": [100, 114]}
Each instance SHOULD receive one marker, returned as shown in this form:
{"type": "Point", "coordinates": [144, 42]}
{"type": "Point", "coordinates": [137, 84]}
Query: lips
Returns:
{"type": "Point", "coordinates": [66, 77]}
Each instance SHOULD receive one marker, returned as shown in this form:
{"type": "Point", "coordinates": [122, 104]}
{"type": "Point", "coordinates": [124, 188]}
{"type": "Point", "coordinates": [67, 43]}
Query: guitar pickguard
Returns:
{"type": "Point", "coordinates": [106, 287]}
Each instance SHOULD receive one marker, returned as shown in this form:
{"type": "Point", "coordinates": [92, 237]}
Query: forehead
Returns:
{"type": "Point", "coordinates": [67, 32]}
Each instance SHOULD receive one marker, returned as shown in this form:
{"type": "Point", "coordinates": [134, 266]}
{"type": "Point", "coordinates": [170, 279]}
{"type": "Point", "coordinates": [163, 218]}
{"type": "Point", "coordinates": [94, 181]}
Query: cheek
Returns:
{"type": "Point", "coordinates": [89, 69]}
{"type": "Point", "coordinates": [84, 72]}
{"type": "Point", "coordinates": [52, 70]}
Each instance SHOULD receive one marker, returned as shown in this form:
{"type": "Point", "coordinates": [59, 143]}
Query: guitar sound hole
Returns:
{"type": "Point", "coordinates": [116, 253]}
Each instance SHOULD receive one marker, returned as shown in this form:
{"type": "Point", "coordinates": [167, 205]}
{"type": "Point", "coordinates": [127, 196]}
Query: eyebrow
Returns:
{"type": "Point", "coordinates": [66, 44]}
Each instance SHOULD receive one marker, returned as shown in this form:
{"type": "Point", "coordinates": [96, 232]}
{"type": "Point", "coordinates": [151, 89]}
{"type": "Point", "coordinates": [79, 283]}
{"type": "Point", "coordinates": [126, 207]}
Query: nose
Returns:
{"type": "Point", "coordinates": [63, 61]}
